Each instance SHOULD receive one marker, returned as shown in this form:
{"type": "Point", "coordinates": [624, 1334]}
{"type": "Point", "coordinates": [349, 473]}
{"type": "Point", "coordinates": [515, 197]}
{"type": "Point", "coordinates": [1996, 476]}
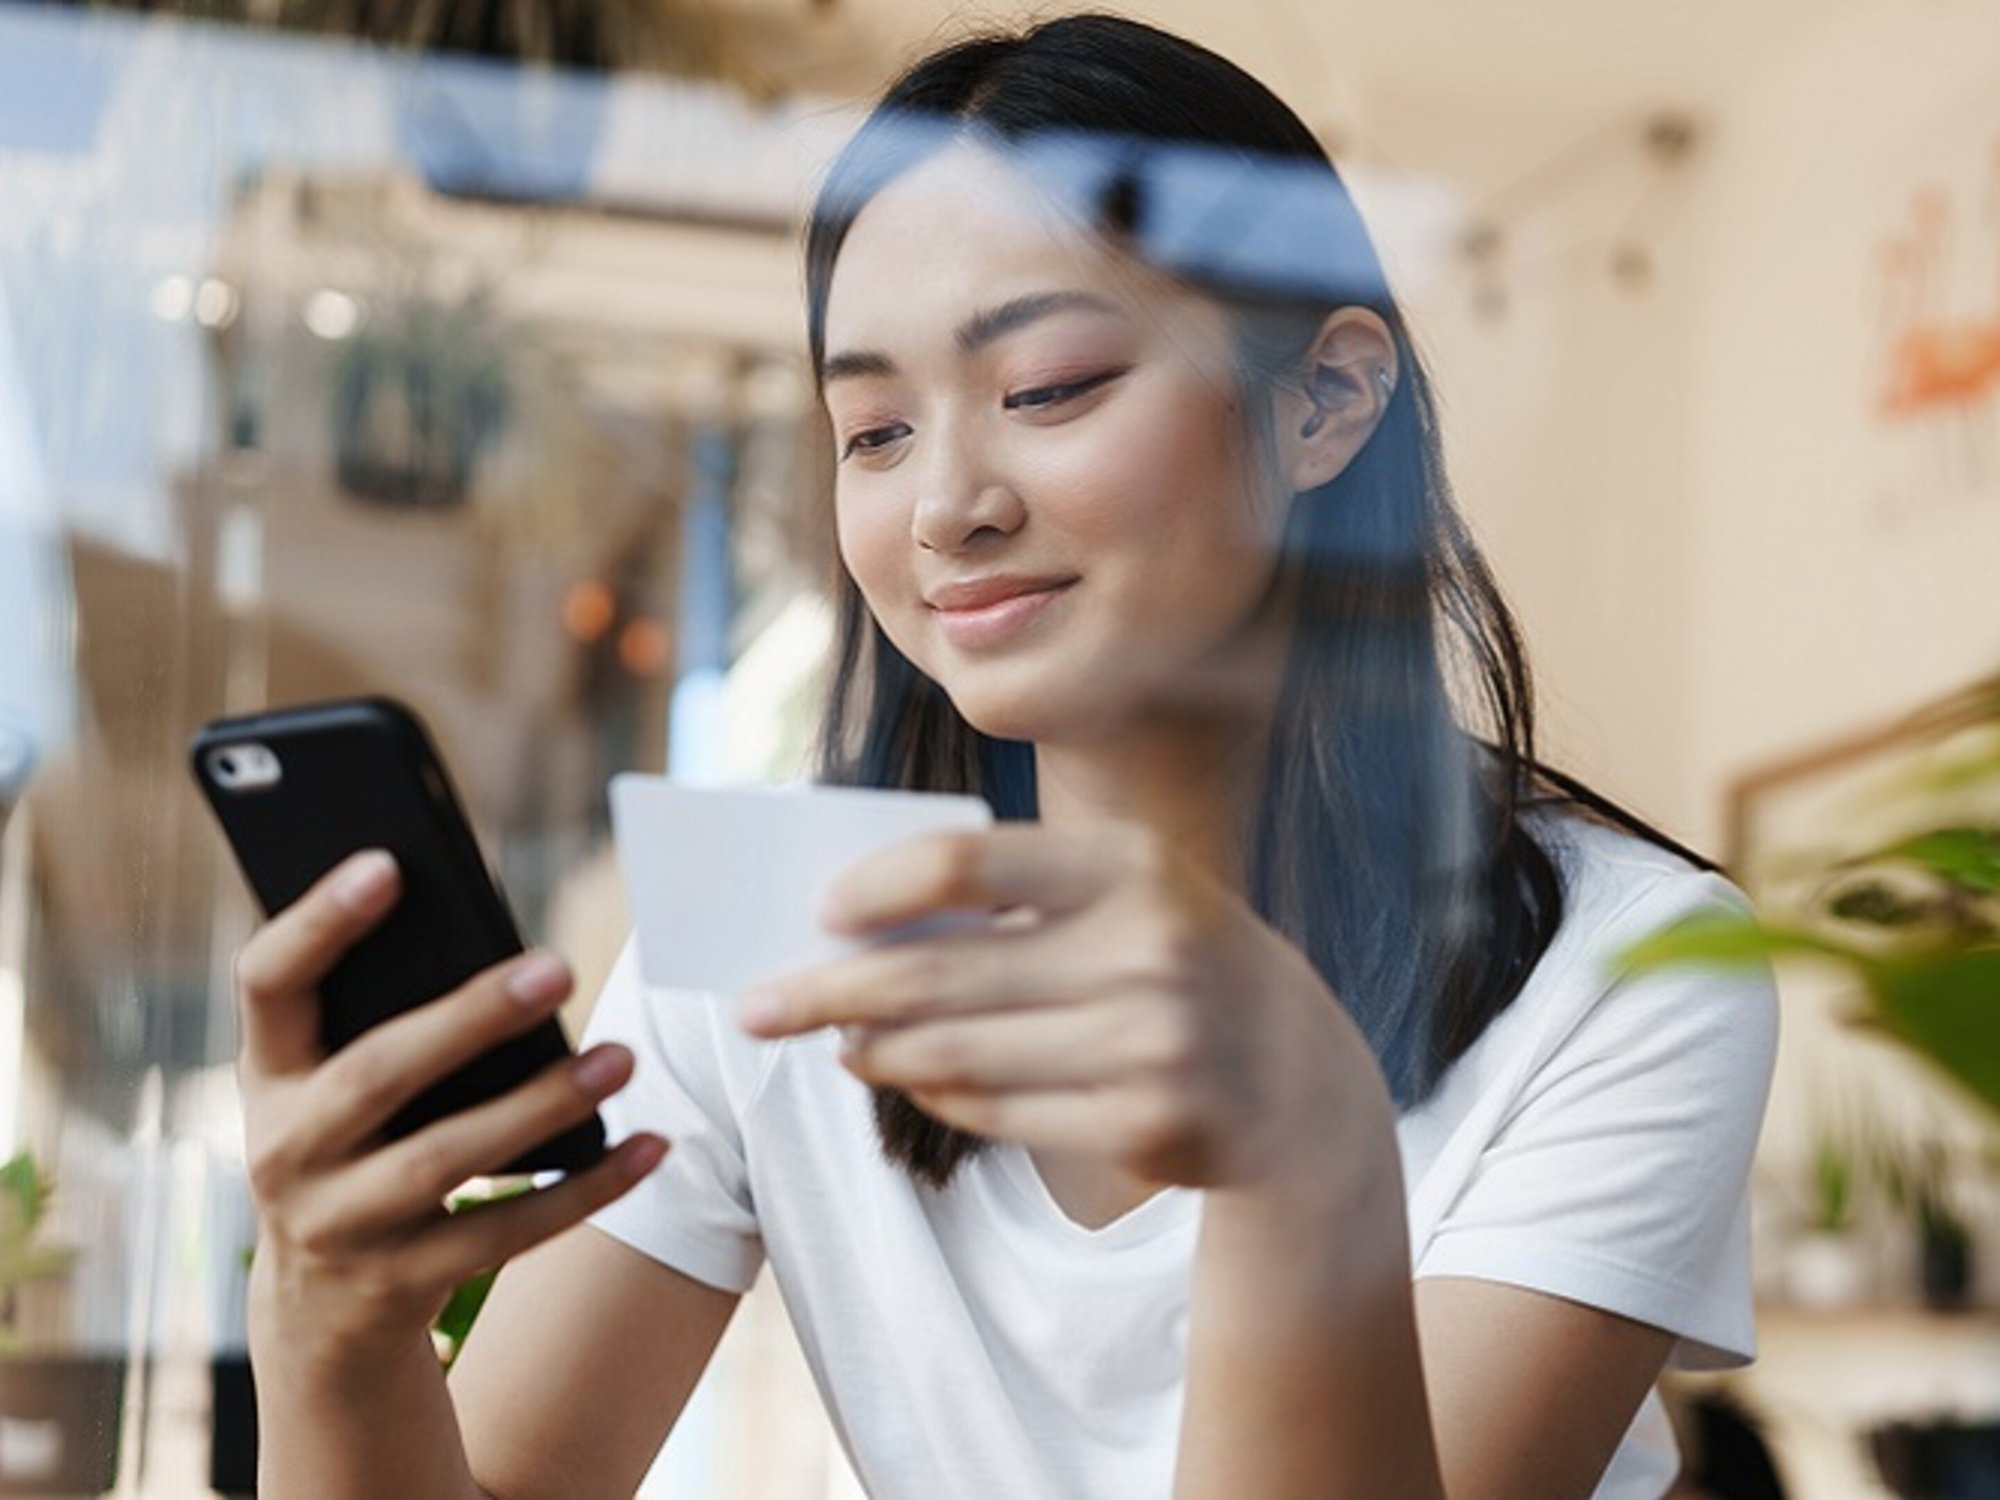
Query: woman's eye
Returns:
{"type": "Point", "coordinates": [874, 439]}
{"type": "Point", "coordinates": [869, 441]}
{"type": "Point", "coordinates": [1054, 395]}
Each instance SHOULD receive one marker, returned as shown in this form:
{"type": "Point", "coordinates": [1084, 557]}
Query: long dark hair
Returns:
{"type": "Point", "coordinates": [1389, 842]}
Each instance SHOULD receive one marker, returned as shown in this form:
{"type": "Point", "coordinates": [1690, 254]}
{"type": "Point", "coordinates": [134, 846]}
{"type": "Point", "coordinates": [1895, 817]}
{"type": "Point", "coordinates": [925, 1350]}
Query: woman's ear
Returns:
{"type": "Point", "coordinates": [1347, 380]}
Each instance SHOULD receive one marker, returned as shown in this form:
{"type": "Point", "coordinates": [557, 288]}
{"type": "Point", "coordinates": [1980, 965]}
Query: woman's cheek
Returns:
{"type": "Point", "coordinates": [874, 544]}
{"type": "Point", "coordinates": [865, 531]}
{"type": "Point", "coordinates": [1158, 446]}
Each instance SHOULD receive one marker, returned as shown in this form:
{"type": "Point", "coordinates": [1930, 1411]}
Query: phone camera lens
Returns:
{"type": "Point", "coordinates": [243, 768]}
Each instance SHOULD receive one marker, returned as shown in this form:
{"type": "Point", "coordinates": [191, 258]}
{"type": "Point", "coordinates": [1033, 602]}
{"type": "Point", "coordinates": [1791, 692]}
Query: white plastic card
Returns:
{"type": "Point", "coordinates": [725, 884]}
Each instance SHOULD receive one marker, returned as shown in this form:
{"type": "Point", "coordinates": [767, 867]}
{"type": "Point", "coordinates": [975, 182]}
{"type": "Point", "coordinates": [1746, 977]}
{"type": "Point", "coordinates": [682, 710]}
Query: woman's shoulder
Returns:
{"type": "Point", "coordinates": [1606, 868]}
{"type": "Point", "coordinates": [1715, 1026]}
{"type": "Point", "coordinates": [1619, 887]}
{"type": "Point", "coordinates": [1581, 1012]}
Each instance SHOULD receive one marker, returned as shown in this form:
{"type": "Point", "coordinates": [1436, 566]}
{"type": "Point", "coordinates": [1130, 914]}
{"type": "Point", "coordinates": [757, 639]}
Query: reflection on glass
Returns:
{"type": "Point", "coordinates": [317, 378]}
{"type": "Point", "coordinates": [1107, 479]}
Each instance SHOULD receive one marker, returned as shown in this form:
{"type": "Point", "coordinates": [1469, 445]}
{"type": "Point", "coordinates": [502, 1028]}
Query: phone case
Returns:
{"type": "Point", "coordinates": [359, 773]}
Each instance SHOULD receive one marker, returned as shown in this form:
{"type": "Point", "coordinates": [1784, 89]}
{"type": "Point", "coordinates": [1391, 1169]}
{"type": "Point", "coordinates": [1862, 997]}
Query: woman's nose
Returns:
{"type": "Point", "coordinates": [959, 495]}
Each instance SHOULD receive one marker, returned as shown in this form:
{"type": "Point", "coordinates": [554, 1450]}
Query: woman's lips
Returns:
{"type": "Point", "coordinates": [992, 623]}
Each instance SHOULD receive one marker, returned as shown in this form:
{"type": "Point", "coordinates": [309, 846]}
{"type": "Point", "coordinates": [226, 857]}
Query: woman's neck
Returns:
{"type": "Point", "coordinates": [1194, 784]}
{"type": "Point", "coordinates": [1192, 770]}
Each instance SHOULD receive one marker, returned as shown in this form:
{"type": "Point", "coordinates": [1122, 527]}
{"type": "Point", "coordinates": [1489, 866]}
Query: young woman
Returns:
{"type": "Point", "coordinates": [1287, 1130]}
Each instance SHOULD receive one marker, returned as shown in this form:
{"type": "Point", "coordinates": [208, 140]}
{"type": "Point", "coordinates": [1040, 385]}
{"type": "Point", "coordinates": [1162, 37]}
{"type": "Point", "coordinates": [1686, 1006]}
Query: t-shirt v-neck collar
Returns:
{"type": "Point", "coordinates": [1167, 1209]}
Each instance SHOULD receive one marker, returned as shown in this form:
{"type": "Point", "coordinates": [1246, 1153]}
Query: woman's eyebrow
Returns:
{"type": "Point", "coordinates": [977, 331]}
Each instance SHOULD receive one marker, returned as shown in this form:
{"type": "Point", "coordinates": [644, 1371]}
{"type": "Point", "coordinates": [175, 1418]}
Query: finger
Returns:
{"type": "Point", "coordinates": [1052, 1047]}
{"type": "Point", "coordinates": [1020, 864]}
{"type": "Point", "coordinates": [278, 1015]}
{"type": "Point", "coordinates": [478, 1238]}
{"type": "Point", "coordinates": [1094, 1121]}
{"type": "Point", "coordinates": [896, 982]}
{"type": "Point", "coordinates": [361, 1086]}
{"type": "Point", "coordinates": [404, 1181]}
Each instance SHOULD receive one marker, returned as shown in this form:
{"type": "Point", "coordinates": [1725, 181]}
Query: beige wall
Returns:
{"type": "Point", "coordinates": [1565, 429]}
{"type": "Point", "coordinates": [1718, 554]}
{"type": "Point", "coordinates": [1818, 608]}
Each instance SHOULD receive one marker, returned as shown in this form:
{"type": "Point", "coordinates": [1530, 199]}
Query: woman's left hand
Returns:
{"type": "Point", "coordinates": [1147, 1015]}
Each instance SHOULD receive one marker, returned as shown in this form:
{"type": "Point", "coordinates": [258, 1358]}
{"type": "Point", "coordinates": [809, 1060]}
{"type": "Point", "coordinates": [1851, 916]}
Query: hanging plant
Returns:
{"type": "Point", "coordinates": [418, 404]}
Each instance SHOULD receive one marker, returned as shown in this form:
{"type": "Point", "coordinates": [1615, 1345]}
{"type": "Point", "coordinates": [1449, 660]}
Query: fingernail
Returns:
{"type": "Point", "coordinates": [759, 1009]}
{"type": "Point", "coordinates": [596, 1069]}
{"type": "Point", "coordinates": [643, 1156]}
{"type": "Point", "coordinates": [537, 979]}
{"type": "Point", "coordinates": [365, 881]}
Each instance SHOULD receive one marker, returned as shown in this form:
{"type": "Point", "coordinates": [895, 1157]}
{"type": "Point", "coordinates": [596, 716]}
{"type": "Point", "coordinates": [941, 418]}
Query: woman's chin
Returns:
{"type": "Point", "coordinates": [1005, 721]}
{"type": "Point", "coordinates": [1045, 717]}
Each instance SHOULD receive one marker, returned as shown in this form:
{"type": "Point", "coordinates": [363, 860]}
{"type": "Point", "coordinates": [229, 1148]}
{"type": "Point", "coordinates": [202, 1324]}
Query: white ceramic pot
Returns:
{"type": "Point", "coordinates": [1826, 1269]}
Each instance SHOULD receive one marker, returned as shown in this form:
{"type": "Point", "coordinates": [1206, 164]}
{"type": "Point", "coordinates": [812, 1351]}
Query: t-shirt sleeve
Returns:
{"type": "Point", "coordinates": [694, 1211]}
{"type": "Point", "coordinates": [1620, 1176]}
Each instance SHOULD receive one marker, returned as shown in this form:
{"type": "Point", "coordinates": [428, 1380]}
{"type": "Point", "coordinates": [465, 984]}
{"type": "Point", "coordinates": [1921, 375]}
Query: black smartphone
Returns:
{"type": "Point", "coordinates": [299, 789]}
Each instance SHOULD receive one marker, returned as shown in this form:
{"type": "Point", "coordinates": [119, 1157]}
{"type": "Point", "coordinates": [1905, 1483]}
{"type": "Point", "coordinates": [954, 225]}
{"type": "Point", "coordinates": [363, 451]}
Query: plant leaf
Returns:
{"type": "Point", "coordinates": [24, 1188]}
{"type": "Point", "coordinates": [1725, 940]}
{"type": "Point", "coordinates": [1967, 857]}
{"type": "Point", "coordinates": [455, 1322]}
{"type": "Point", "coordinates": [1946, 1005]}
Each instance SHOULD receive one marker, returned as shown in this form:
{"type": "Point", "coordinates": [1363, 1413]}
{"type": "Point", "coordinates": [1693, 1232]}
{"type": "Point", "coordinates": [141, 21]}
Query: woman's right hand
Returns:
{"type": "Point", "coordinates": [356, 1250]}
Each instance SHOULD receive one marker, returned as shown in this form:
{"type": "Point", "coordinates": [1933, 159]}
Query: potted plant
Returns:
{"type": "Point", "coordinates": [59, 1412]}
{"type": "Point", "coordinates": [24, 1198]}
{"type": "Point", "coordinates": [1826, 1264]}
{"type": "Point", "coordinates": [1944, 1249]}
{"type": "Point", "coordinates": [1921, 1186]}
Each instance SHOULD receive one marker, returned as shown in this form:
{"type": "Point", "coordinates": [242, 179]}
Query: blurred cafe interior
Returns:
{"type": "Point", "coordinates": [456, 353]}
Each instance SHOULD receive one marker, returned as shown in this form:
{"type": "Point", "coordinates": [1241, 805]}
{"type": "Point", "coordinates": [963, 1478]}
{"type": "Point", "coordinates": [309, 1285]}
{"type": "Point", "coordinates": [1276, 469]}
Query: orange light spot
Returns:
{"type": "Point", "coordinates": [642, 648]}
{"type": "Point", "coordinates": [587, 609]}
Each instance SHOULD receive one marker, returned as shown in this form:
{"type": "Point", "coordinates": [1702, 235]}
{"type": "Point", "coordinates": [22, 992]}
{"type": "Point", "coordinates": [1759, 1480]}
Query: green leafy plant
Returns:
{"type": "Point", "coordinates": [1939, 1222]}
{"type": "Point", "coordinates": [455, 1321]}
{"type": "Point", "coordinates": [24, 1196]}
{"type": "Point", "coordinates": [1855, 1165]}
{"type": "Point", "coordinates": [1914, 917]}
{"type": "Point", "coordinates": [1920, 1186]}
{"type": "Point", "coordinates": [1833, 1187]}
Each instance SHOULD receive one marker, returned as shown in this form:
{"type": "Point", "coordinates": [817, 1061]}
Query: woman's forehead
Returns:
{"type": "Point", "coordinates": [965, 225]}
{"type": "Point", "coordinates": [966, 203]}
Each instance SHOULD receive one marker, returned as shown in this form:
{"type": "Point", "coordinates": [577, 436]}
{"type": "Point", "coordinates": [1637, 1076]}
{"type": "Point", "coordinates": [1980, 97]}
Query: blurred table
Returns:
{"type": "Point", "coordinates": [1823, 1380]}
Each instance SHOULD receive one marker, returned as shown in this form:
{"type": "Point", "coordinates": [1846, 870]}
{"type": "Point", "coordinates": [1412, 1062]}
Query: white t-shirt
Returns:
{"type": "Point", "coordinates": [1595, 1143]}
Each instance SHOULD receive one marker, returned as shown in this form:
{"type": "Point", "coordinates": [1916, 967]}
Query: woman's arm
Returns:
{"type": "Point", "coordinates": [1317, 1368]}
{"type": "Point", "coordinates": [1532, 1393]}
{"type": "Point", "coordinates": [349, 1423]}
{"type": "Point", "coordinates": [1303, 1369]}
{"type": "Point", "coordinates": [580, 1365]}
